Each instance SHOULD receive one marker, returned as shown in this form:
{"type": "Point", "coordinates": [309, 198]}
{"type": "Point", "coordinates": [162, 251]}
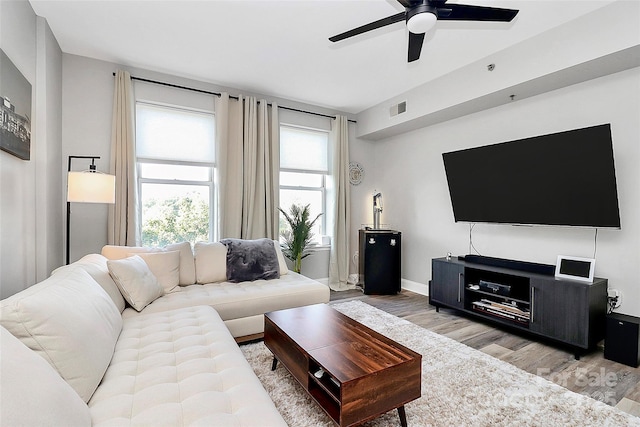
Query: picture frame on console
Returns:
{"type": "Point", "coordinates": [575, 268]}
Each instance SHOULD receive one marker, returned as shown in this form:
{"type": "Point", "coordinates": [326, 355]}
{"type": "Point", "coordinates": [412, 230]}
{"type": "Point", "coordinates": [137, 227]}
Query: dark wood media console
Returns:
{"type": "Point", "coordinates": [567, 311]}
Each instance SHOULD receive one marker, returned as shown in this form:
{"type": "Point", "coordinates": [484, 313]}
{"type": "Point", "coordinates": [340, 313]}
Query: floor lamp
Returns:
{"type": "Point", "coordinates": [89, 186]}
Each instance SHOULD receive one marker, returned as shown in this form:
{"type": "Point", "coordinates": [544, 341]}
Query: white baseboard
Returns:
{"type": "Point", "coordinates": [409, 285]}
{"type": "Point", "coordinates": [419, 288]}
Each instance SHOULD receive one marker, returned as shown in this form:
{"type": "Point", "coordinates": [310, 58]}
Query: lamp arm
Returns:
{"type": "Point", "coordinates": [93, 160]}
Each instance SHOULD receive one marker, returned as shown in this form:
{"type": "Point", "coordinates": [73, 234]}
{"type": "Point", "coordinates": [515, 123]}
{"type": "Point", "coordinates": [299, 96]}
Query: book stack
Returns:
{"type": "Point", "coordinates": [502, 310]}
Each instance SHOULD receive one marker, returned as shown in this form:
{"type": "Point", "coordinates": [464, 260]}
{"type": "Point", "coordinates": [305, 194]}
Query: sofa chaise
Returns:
{"type": "Point", "coordinates": [143, 336]}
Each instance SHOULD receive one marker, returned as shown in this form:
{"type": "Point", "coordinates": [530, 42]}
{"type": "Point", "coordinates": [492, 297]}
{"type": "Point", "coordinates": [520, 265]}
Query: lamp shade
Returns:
{"type": "Point", "coordinates": [91, 187]}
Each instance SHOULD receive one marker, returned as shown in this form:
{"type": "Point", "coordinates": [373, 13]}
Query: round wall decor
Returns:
{"type": "Point", "coordinates": [356, 173]}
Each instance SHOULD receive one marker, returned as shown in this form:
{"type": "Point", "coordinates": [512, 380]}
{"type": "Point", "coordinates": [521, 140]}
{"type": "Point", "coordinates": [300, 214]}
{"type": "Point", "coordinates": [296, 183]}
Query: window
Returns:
{"type": "Point", "coordinates": [176, 168]}
{"type": "Point", "coordinates": [304, 155]}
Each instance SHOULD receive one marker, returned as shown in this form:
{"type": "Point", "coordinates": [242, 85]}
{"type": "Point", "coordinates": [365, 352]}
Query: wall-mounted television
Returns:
{"type": "Point", "coordinates": [566, 178]}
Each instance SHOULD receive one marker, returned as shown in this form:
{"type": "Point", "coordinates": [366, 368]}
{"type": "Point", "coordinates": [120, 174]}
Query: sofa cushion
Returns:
{"type": "Point", "coordinates": [187, 262]}
{"type": "Point", "coordinates": [96, 266]}
{"type": "Point", "coordinates": [281, 261]}
{"type": "Point", "coordinates": [166, 267]}
{"type": "Point", "coordinates": [32, 392]}
{"type": "Point", "coordinates": [121, 252]}
{"type": "Point", "coordinates": [187, 266]}
{"type": "Point", "coordinates": [180, 367]}
{"type": "Point", "coordinates": [239, 300]}
{"type": "Point", "coordinates": [71, 322]}
{"type": "Point", "coordinates": [249, 260]}
{"type": "Point", "coordinates": [135, 280]}
{"type": "Point", "coordinates": [210, 261]}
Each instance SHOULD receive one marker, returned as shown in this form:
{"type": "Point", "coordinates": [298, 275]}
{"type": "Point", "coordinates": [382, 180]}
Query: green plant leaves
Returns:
{"type": "Point", "coordinates": [299, 235]}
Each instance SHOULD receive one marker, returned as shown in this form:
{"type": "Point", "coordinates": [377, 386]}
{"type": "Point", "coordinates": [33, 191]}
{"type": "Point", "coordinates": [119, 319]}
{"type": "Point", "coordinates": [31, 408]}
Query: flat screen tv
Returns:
{"type": "Point", "coordinates": [565, 179]}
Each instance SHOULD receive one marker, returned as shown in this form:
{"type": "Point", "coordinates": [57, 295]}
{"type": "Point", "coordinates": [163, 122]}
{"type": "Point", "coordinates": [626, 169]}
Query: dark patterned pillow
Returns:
{"type": "Point", "coordinates": [249, 260]}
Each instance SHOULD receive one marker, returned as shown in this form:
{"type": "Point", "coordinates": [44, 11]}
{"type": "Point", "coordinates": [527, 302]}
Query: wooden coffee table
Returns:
{"type": "Point", "coordinates": [364, 374]}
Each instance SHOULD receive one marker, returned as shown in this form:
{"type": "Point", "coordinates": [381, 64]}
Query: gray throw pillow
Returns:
{"type": "Point", "coordinates": [249, 260]}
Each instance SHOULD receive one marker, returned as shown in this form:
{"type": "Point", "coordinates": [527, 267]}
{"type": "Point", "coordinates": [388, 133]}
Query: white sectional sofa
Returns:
{"type": "Point", "coordinates": [74, 354]}
{"type": "Point", "coordinates": [203, 281]}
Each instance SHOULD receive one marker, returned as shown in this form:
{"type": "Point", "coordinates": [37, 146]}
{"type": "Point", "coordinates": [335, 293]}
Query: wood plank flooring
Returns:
{"type": "Point", "coordinates": [604, 380]}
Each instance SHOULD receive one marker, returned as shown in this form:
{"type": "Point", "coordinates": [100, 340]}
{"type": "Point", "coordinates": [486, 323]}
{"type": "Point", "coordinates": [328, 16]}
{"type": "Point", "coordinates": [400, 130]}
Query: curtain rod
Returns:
{"type": "Point", "coordinates": [230, 96]}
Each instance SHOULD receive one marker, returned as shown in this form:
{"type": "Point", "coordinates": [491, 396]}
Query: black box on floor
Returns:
{"type": "Point", "coordinates": [622, 339]}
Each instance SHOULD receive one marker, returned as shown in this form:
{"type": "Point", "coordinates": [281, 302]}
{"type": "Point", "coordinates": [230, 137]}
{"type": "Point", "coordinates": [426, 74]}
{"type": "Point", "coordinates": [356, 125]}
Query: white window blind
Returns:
{"type": "Point", "coordinates": [303, 149]}
{"type": "Point", "coordinates": [174, 134]}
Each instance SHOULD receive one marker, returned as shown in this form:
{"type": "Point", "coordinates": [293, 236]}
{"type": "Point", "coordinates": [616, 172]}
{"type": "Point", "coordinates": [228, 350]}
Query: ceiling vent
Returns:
{"type": "Point", "coordinates": [398, 108]}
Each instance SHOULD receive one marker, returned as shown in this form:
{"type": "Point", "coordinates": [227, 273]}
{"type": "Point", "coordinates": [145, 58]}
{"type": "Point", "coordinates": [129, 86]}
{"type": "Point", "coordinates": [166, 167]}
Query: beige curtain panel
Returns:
{"type": "Point", "coordinates": [340, 191]}
{"type": "Point", "coordinates": [248, 159]}
{"type": "Point", "coordinates": [229, 128]}
{"type": "Point", "coordinates": [261, 164]}
{"type": "Point", "coordinates": [122, 224]}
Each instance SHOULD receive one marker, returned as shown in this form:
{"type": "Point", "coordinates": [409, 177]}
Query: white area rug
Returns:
{"type": "Point", "coordinates": [460, 386]}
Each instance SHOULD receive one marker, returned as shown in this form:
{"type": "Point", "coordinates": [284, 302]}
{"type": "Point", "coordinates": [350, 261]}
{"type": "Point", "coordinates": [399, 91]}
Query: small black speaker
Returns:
{"type": "Point", "coordinates": [622, 339]}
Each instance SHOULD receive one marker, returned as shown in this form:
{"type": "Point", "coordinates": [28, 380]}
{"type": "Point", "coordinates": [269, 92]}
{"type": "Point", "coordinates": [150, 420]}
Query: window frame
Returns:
{"type": "Point", "coordinates": [324, 174]}
{"type": "Point", "coordinates": [211, 166]}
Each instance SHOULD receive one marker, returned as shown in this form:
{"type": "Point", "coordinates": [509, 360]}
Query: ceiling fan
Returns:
{"type": "Point", "coordinates": [421, 16]}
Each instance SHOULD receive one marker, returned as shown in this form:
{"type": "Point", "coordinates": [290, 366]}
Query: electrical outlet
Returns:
{"type": "Point", "coordinates": [615, 298]}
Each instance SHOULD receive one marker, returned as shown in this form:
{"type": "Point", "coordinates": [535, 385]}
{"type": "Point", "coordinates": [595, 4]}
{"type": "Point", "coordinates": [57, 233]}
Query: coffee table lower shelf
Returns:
{"type": "Point", "coordinates": [328, 401]}
{"type": "Point", "coordinates": [329, 404]}
{"type": "Point", "coordinates": [351, 371]}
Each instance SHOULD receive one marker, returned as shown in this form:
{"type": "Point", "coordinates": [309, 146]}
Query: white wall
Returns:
{"type": "Point", "coordinates": [410, 173]}
{"type": "Point", "coordinates": [363, 152]}
{"type": "Point", "coordinates": [30, 196]}
{"type": "Point", "coordinates": [87, 104]}
{"type": "Point", "coordinates": [48, 159]}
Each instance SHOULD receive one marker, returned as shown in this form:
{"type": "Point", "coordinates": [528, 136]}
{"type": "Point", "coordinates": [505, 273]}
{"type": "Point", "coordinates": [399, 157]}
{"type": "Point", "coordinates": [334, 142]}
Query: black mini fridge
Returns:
{"type": "Point", "coordinates": [379, 261]}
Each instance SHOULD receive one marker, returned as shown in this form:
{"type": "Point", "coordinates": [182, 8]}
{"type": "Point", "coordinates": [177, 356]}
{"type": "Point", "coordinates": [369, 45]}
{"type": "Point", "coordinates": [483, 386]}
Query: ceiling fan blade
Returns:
{"type": "Point", "coordinates": [415, 46]}
{"type": "Point", "coordinates": [406, 3]}
{"type": "Point", "coordinates": [463, 12]}
{"type": "Point", "coordinates": [370, 26]}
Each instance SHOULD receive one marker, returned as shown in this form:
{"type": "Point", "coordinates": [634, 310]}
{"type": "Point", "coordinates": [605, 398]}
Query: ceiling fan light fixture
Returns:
{"type": "Point", "coordinates": [422, 22]}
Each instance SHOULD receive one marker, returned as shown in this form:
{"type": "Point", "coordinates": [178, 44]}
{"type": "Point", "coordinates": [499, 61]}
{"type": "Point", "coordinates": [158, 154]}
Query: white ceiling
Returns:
{"type": "Point", "coordinates": [281, 48]}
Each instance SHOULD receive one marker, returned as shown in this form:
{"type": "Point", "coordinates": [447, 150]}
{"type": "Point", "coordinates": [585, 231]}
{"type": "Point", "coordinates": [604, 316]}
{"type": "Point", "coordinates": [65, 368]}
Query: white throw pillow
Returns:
{"type": "Point", "coordinates": [211, 262]}
{"type": "Point", "coordinates": [187, 263]}
{"type": "Point", "coordinates": [71, 322]}
{"type": "Point", "coordinates": [165, 266]}
{"type": "Point", "coordinates": [33, 393]}
{"type": "Point", "coordinates": [136, 282]}
{"type": "Point", "coordinates": [281, 260]}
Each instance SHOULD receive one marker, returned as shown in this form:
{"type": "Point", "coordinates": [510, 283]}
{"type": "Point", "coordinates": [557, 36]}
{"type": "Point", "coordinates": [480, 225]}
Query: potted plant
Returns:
{"type": "Point", "coordinates": [298, 237]}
